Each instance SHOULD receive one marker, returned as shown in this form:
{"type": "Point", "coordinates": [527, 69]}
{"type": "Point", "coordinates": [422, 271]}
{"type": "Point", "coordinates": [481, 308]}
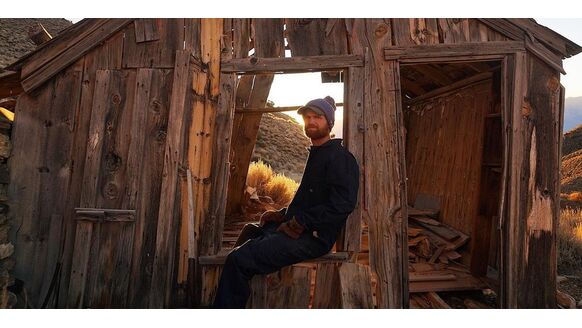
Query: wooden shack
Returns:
{"type": "Point", "coordinates": [133, 137]}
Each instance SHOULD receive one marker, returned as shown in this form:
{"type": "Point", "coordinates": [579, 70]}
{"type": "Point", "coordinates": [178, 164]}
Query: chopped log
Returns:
{"type": "Point", "coordinates": [413, 232]}
{"type": "Point", "coordinates": [38, 34]}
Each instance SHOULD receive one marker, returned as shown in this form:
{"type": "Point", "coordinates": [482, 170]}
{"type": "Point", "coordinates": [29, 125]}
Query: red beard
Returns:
{"type": "Point", "coordinates": [317, 133]}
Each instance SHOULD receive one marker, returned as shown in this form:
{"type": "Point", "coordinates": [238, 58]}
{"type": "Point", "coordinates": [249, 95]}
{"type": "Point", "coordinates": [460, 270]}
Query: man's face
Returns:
{"type": "Point", "coordinates": [315, 125]}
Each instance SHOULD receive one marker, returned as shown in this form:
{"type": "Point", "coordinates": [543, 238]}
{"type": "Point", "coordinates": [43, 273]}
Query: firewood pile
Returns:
{"type": "Point", "coordinates": [436, 261]}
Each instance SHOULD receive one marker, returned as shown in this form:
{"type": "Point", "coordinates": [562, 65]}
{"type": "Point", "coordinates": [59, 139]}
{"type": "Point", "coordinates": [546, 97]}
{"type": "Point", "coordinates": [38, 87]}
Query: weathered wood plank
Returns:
{"type": "Point", "coordinates": [453, 50]}
{"type": "Point", "coordinates": [146, 29]}
{"type": "Point", "coordinates": [57, 145]}
{"type": "Point", "coordinates": [154, 54]}
{"type": "Point", "coordinates": [326, 294]}
{"type": "Point", "coordinates": [221, 148]}
{"type": "Point", "coordinates": [354, 140]}
{"type": "Point", "coordinates": [26, 176]}
{"type": "Point", "coordinates": [289, 289]}
{"type": "Point", "coordinates": [255, 65]}
{"type": "Point", "coordinates": [453, 30]}
{"type": "Point", "coordinates": [258, 297]}
{"type": "Point", "coordinates": [412, 31]}
{"type": "Point", "coordinates": [355, 283]}
{"type": "Point", "coordinates": [192, 36]}
{"type": "Point", "coordinates": [153, 90]}
{"type": "Point", "coordinates": [163, 265]}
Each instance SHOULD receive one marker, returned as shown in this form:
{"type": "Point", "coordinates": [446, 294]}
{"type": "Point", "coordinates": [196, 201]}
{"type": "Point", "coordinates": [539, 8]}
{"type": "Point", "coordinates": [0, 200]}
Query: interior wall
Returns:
{"type": "Point", "coordinates": [444, 146]}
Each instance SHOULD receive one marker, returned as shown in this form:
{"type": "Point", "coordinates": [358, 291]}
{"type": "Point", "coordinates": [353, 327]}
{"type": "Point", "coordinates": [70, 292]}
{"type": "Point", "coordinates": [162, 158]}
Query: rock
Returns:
{"type": "Point", "coordinates": [5, 146]}
{"type": "Point", "coordinates": [6, 250]}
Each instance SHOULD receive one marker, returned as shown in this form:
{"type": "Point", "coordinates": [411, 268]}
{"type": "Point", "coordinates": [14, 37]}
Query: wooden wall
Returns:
{"type": "Point", "coordinates": [107, 133]}
{"type": "Point", "coordinates": [444, 147]}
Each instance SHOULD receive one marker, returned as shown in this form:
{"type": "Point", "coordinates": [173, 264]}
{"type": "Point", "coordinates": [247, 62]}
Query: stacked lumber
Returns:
{"type": "Point", "coordinates": [435, 260]}
{"type": "Point", "coordinates": [430, 241]}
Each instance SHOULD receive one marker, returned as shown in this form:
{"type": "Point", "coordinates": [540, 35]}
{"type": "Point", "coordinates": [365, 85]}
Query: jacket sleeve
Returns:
{"type": "Point", "coordinates": [342, 177]}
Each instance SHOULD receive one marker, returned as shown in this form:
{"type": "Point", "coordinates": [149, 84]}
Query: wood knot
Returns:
{"type": "Point", "coordinates": [381, 30]}
{"type": "Point", "coordinates": [161, 136]}
{"type": "Point", "coordinates": [112, 161]}
{"type": "Point", "coordinates": [254, 60]}
{"type": "Point", "coordinates": [116, 99]}
{"type": "Point", "coordinates": [156, 106]}
{"type": "Point", "coordinates": [111, 190]}
{"type": "Point", "coordinates": [375, 126]}
{"type": "Point", "coordinates": [525, 109]}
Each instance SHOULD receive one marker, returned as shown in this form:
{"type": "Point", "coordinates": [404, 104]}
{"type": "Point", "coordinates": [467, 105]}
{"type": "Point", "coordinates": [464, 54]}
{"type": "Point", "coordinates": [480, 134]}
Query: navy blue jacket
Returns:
{"type": "Point", "coordinates": [328, 191]}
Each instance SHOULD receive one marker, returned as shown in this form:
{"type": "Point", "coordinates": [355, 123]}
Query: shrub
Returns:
{"type": "Point", "coordinates": [281, 189]}
{"type": "Point", "coordinates": [570, 241]}
{"type": "Point", "coordinates": [259, 175]}
{"type": "Point", "coordinates": [575, 196]}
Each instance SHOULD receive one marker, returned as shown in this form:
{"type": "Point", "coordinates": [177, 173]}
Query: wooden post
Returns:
{"type": "Point", "coordinates": [533, 199]}
{"type": "Point", "coordinates": [385, 186]}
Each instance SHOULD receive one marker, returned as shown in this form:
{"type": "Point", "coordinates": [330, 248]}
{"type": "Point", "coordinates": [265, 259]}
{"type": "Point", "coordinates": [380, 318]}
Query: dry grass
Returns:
{"type": "Point", "coordinates": [259, 175]}
{"type": "Point", "coordinates": [575, 197]}
{"type": "Point", "coordinates": [281, 189]}
{"type": "Point", "coordinates": [570, 241]}
{"type": "Point", "coordinates": [273, 190]}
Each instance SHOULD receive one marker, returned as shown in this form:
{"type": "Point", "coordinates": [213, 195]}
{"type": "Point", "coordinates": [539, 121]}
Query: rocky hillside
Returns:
{"type": "Point", "coordinates": [14, 41]}
{"type": "Point", "coordinates": [282, 145]}
{"type": "Point", "coordinates": [571, 171]}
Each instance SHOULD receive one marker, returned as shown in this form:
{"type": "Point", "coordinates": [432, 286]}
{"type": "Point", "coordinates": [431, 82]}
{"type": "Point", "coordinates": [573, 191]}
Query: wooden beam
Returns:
{"type": "Point", "coordinates": [280, 109]}
{"type": "Point", "coordinates": [416, 53]}
{"type": "Point", "coordinates": [268, 43]}
{"type": "Point", "coordinates": [543, 53]}
{"type": "Point", "coordinates": [41, 74]}
{"type": "Point", "coordinates": [452, 87]}
{"type": "Point", "coordinates": [327, 258]}
{"type": "Point", "coordinates": [255, 65]}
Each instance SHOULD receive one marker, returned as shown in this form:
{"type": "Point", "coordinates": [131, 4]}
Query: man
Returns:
{"type": "Point", "coordinates": [309, 227]}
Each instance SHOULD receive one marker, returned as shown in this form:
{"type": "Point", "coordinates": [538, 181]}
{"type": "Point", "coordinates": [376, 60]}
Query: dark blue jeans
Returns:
{"type": "Point", "coordinates": [265, 254]}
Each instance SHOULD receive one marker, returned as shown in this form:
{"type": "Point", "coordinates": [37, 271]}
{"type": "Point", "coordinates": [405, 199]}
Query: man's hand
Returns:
{"type": "Point", "coordinates": [291, 228]}
{"type": "Point", "coordinates": [271, 216]}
